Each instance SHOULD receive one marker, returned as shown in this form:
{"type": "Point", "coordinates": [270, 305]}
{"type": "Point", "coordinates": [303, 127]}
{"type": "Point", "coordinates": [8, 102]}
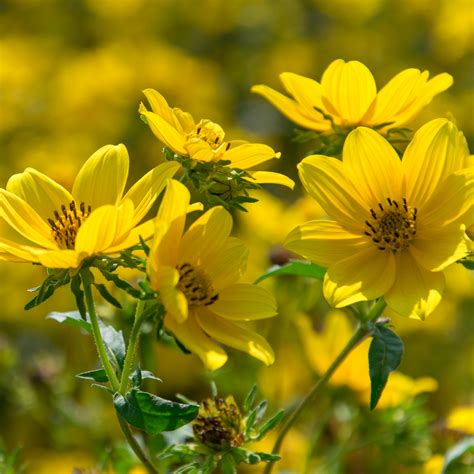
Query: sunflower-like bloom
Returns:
{"type": "Point", "coordinates": [204, 141]}
{"type": "Point", "coordinates": [95, 218]}
{"type": "Point", "coordinates": [349, 95]}
{"type": "Point", "coordinates": [395, 225]}
{"type": "Point", "coordinates": [196, 274]}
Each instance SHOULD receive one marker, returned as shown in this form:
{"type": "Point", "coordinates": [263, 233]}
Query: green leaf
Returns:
{"type": "Point", "coordinates": [467, 263]}
{"type": "Point", "coordinates": [269, 424]}
{"type": "Point", "coordinates": [463, 447]}
{"type": "Point", "coordinates": [106, 295]}
{"type": "Point", "coordinates": [268, 456]}
{"type": "Point", "coordinates": [97, 375]}
{"type": "Point", "coordinates": [255, 415]}
{"type": "Point", "coordinates": [115, 343]}
{"type": "Point", "coordinates": [79, 295]}
{"type": "Point", "coordinates": [71, 317]}
{"type": "Point", "coordinates": [385, 355]}
{"type": "Point", "coordinates": [153, 414]}
{"type": "Point", "coordinates": [228, 464]}
{"type": "Point", "coordinates": [249, 399]}
{"type": "Point", "coordinates": [295, 268]}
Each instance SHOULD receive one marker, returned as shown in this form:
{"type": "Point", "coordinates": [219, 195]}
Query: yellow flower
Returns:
{"type": "Point", "coordinates": [395, 224]}
{"type": "Point", "coordinates": [349, 95]}
{"type": "Point", "coordinates": [204, 141]}
{"type": "Point", "coordinates": [197, 273]}
{"type": "Point", "coordinates": [323, 347]}
{"type": "Point", "coordinates": [95, 218]}
{"type": "Point", "coordinates": [461, 418]}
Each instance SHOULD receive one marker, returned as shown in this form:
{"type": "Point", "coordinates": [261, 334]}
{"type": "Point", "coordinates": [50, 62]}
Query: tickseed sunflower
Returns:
{"type": "Point", "coordinates": [395, 225]}
{"type": "Point", "coordinates": [348, 95]}
{"type": "Point", "coordinates": [204, 141]}
{"type": "Point", "coordinates": [196, 274]}
{"type": "Point", "coordinates": [95, 218]}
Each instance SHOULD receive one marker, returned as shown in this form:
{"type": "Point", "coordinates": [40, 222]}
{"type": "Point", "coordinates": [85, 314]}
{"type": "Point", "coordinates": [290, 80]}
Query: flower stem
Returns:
{"type": "Point", "coordinates": [99, 342]}
{"type": "Point", "coordinates": [132, 346]}
{"type": "Point", "coordinates": [360, 334]}
{"type": "Point", "coordinates": [114, 382]}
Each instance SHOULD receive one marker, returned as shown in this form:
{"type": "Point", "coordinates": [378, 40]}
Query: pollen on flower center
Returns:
{"type": "Point", "coordinates": [196, 286]}
{"type": "Point", "coordinates": [209, 132]}
{"type": "Point", "coordinates": [392, 226]}
{"type": "Point", "coordinates": [65, 225]}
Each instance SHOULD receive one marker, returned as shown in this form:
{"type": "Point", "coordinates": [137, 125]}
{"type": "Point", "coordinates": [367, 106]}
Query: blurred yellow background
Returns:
{"type": "Point", "coordinates": [71, 75]}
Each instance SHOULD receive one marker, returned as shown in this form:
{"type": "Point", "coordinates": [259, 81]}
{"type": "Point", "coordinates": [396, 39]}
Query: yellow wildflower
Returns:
{"type": "Point", "coordinates": [323, 347]}
{"type": "Point", "coordinates": [204, 141]}
{"type": "Point", "coordinates": [95, 218]}
{"type": "Point", "coordinates": [395, 224]}
{"type": "Point", "coordinates": [349, 95]}
{"type": "Point", "coordinates": [461, 418]}
{"type": "Point", "coordinates": [196, 273]}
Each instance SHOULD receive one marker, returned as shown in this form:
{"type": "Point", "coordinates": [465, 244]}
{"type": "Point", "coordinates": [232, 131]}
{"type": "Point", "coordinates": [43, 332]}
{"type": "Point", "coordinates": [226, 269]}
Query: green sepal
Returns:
{"type": "Point", "coordinates": [255, 416]}
{"type": "Point", "coordinates": [153, 414]}
{"type": "Point", "coordinates": [55, 280]}
{"type": "Point", "coordinates": [463, 447]}
{"type": "Point", "coordinates": [294, 268]}
{"type": "Point", "coordinates": [385, 355]}
{"type": "Point", "coordinates": [268, 425]}
{"type": "Point", "coordinates": [106, 295]}
{"type": "Point", "coordinates": [228, 464]}
{"type": "Point", "coordinates": [79, 295]}
{"type": "Point", "coordinates": [250, 398]}
{"type": "Point", "coordinates": [98, 375]}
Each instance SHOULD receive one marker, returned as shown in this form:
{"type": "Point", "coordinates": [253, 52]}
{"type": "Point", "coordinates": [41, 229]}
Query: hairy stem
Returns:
{"type": "Point", "coordinates": [360, 334]}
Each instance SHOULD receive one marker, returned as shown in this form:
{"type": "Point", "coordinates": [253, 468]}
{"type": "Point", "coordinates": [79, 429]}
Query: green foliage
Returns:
{"type": "Point", "coordinates": [53, 281]}
{"type": "Point", "coordinates": [385, 355]}
{"type": "Point", "coordinates": [294, 268]}
{"type": "Point", "coordinates": [460, 458]}
{"type": "Point", "coordinates": [153, 414]}
{"type": "Point", "coordinates": [9, 462]}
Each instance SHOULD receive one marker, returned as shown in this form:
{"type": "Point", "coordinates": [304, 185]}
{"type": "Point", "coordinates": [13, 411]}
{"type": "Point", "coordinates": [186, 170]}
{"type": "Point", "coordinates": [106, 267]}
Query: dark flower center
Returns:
{"type": "Point", "coordinates": [196, 286]}
{"type": "Point", "coordinates": [392, 226]}
{"type": "Point", "coordinates": [66, 224]}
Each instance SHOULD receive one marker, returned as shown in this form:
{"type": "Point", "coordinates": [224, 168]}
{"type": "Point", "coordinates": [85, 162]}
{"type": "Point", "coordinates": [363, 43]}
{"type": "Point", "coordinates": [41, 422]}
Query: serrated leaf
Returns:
{"type": "Point", "coordinates": [70, 317]}
{"type": "Point", "coordinates": [461, 448]}
{"type": "Point", "coordinates": [294, 268]}
{"type": "Point", "coordinates": [153, 414]}
{"type": "Point", "coordinates": [98, 375]}
{"type": "Point", "coordinates": [385, 355]}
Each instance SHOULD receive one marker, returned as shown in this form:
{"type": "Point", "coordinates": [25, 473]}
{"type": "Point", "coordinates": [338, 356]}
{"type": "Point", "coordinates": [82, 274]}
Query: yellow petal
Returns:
{"type": "Point", "coordinates": [185, 119]}
{"type": "Point", "coordinates": [167, 134]}
{"type": "Point", "coordinates": [325, 180]}
{"type": "Point", "coordinates": [102, 178]}
{"type": "Point", "coordinates": [42, 193]}
{"type": "Point", "coordinates": [146, 190]}
{"type": "Point", "coordinates": [292, 110]}
{"type": "Point", "coordinates": [436, 151]}
{"type": "Point", "coordinates": [373, 166]}
{"type": "Point", "coordinates": [364, 276]}
{"type": "Point", "coordinates": [172, 211]}
{"type": "Point", "coordinates": [98, 231]}
{"type": "Point", "coordinates": [349, 88]}
{"type": "Point", "coordinates": [164, 279]}
{"type": "Point", "coordinates": [249, 155]}
{"type": "Point", "coordinates": [192, 336]}
{"type": "Point", "coordinates": [269, 177]}
{"type": "Point", "coordinates": [160, 107]}
{"type": "Point", "coordinates": [60, 258]}
{"type": "Point", "coordinates": [227, 266]}
{"type": "Point", "coordinates": [324, 242]}
{"type": "Point", "coordinates": [236, 336]}
{"type": "Point", "coordinates": [398, 94]}
{"type": "Point", "coordinates": [415, 292]}
{"type": "Point", "coordinates": [440, 249]}
{"type": "Point", "coordinates": [144, 231]}
{"type": "Point", "coordinates": [206, 236]}
{"type": "Point", "coordinates": [244, 302]}
{"type": "Point", "coordinates": [452, 202]}
{"type": "Point", "coordinates": [306, 91]}
{"type": "Point", "coordinates": [24, 219]}
{"type": "Point", "coordinates": [200, 150]}
{"type": "Point", "coordinates": [12, 252]}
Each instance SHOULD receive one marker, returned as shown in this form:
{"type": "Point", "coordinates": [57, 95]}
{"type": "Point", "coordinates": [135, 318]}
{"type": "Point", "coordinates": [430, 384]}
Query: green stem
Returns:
{"type": "Point", "coordinates": [99, 342]}
{"type": "Point", "coordinates": [102, 351]}
{"type": "Point", "coordinates": [132, 347]}
{"type": "Point", "coordinates": [136, 447]}
{"type": "Point", "coordinates": [360, 334]}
